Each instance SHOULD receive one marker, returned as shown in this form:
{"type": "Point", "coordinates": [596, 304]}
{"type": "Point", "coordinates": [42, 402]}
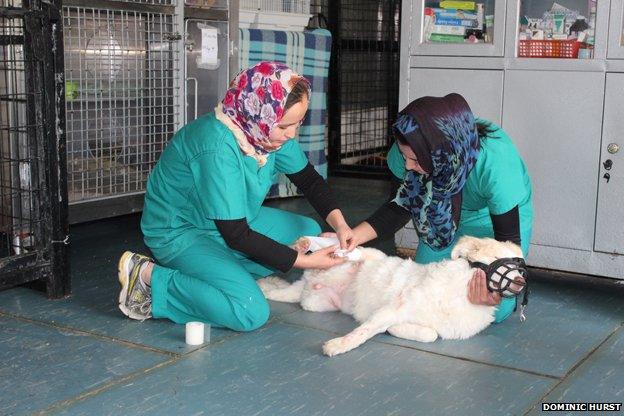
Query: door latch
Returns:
{"type": "Point", "coordinates": [607, 176]}
{"type": "Point", "coordinates": [607, 164]}
{"type": "Point", "coordinates": [171, 36]}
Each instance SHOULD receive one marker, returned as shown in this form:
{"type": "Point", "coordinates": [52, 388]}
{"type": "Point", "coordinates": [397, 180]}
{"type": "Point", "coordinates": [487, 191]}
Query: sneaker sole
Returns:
{"type": "Point", "coordinates": [122, 275]}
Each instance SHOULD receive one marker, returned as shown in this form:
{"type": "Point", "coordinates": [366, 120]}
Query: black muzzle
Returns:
{"type": "Point", "coordinates": [498, 278]}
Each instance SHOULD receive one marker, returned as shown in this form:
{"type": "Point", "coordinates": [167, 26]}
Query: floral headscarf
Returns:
{"type": "Point", "coordinates": [443, 135]}
{"type": "Point", "coordinates": [254, 104]}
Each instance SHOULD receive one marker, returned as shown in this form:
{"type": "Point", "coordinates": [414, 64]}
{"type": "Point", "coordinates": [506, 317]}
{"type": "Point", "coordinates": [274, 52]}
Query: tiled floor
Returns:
{"type": "Point", "coordinates": [81, 356]}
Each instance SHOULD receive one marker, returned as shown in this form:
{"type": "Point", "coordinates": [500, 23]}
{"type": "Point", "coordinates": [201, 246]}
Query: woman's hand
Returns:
{"type": "Point", "coordinates": [344, 233]}
{"type": "Point", "coordinates": [321, 259]}
{"type": "Point", "coordinates": [361, 234]}
{"type": "Point", "coordinates": [478, 292]}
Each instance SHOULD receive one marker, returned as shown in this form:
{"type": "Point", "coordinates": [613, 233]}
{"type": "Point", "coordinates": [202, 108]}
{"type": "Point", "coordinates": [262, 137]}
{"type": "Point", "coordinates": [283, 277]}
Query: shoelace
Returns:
{"type": "Point", "coordinates": [146, 306]}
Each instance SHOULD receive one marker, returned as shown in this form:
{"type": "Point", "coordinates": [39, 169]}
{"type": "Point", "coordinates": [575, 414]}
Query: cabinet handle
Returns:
{"type": "Point", "coordinates": [607, 176]}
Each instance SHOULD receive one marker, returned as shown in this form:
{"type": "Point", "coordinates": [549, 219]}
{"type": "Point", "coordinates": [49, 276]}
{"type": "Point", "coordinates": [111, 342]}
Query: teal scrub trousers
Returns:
{"type": "Point", "coordinates": [210, 282]}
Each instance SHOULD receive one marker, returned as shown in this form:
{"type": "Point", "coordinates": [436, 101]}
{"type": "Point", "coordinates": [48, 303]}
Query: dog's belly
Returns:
{"type": "Point", "coordinates": [440, 301]}
{"type": "Point", "coordinates": [348, 301]}
{"type": "Point", "coordinates": [434, 296]}
{"type": "Point", "coordinates": [379, 284]}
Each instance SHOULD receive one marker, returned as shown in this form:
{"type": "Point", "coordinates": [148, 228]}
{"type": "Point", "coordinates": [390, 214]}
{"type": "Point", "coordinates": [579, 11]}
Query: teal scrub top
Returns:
{"type": "Point", "coordinates": [203, 176]}
{"type": "Point", "coordinates": [497, 183]}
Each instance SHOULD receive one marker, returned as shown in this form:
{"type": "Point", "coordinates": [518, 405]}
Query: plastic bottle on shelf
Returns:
{"type": "Point", "coordinates": [592, 4]}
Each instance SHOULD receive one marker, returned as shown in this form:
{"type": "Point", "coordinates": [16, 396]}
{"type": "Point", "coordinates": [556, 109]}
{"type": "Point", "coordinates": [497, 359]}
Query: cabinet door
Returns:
{"type": "Point", "coordinates": [554, 118]}
{"type": "Point", "coordinates": [483, 89]}
{"type": "Point", "coordinates": [545, 29]}
{"type": "Point", "coordinates": [615, 49]}
{"type": "Point", "coordinates": [610, 212]}
{"type": "Point", "coordinates": [491, 33]}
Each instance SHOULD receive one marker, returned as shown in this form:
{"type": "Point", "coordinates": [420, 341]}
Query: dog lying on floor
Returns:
{"type": "Point", "coordinates": [409, 300]}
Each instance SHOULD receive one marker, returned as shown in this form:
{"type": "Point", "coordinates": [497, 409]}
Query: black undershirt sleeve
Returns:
{"type": "Point", "coordinates": [239, 236]}
{"type": "Point", "coordinates": [390, 217]}
{"type": "Point", "coordinates": [507, 226]}
{"type": "Point", "coordinates": [259, 247]}
{"type": "Point", "coordinates": [315, 189]}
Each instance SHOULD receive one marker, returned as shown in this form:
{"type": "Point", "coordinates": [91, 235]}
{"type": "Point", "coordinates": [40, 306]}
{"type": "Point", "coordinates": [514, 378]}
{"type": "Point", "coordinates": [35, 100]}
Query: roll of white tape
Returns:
{"type": "Point", "coordinates": [194, 333]}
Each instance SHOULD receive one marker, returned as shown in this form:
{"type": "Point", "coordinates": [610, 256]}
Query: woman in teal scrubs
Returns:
{"type": "Point", "coordinates": [203, 217]}
{"type": "Point", "coordinates": [458, 176]}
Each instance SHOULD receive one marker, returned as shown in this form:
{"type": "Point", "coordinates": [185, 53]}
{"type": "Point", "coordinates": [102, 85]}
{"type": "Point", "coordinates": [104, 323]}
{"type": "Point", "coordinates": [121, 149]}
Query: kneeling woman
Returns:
{"type": "Point", "coordinates": [203, 217]}
{"type": "Point", "coordinates": [456, 175]}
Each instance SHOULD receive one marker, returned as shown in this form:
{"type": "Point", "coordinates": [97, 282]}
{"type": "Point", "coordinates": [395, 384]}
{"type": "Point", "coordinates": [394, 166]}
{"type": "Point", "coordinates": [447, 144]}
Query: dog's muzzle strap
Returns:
{"type": "Point", "coordinates": [525, 301]}
{"type": "Point", "coordinates": [503, 285]}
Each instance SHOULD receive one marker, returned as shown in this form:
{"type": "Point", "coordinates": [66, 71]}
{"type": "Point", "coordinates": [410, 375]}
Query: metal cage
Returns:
{"type": "Point", "coordinates": [33, 194]}
{"type": "Point", "coordinates": [363, 93]}
{"type": "Point", "coordinates": [123, 91]}
{"type": "Point", "coordinates": [283, 6]}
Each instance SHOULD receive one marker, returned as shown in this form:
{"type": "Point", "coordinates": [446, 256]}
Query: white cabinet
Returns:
{"type": "Point", "coordinates": [439, 82]}
{"type": "Point", "coordinates": [610, 213]}
{"type": "Point", "coordinates": [557, 131]}
{"type": "Point", "coordinates": [565, 115]}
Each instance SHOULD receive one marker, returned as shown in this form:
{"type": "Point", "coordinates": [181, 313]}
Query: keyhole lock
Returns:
{"type": "Point", "coordinates": [607, 176]}
{"type": "Point", "coordinates": [613, 148]}
{"type": "Point", "coordinates": [607, 164]}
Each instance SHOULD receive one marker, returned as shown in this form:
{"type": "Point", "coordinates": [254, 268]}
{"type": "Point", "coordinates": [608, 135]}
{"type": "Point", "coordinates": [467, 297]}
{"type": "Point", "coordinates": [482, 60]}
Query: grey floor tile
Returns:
{"type": "Point", "coordinates": [278, 309]}
{"type": "Point", "coordinates": [42, 365]}
{"type": "Point", "coordinates": [279, 371]}
{"type": "Point", "coordinates": [600, 379]}
{"type": "Point", "coordinates": [334, 322]}
{"type": "Point", "coordinates": [93, 308]}
{"type": "Point", "coordinates": [560, 318]}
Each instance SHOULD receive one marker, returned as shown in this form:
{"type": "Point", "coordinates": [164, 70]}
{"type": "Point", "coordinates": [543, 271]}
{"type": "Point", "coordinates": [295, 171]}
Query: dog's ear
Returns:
{"type": "Point", "coordinates": [464, 247]}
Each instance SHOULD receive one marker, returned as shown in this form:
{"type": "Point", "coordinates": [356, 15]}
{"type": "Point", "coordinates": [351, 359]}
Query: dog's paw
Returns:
{"type": "Point", "coordinates": [268, 284]}
{"type": "Point", "coordinates": [336, 346]}
{"type": "Point", "coordinates": [302, 245]}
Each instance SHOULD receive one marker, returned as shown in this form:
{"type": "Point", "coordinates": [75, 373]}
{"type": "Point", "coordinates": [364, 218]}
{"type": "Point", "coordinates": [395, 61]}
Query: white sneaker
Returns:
{"type": "Point", "coordinates": [135, 300]}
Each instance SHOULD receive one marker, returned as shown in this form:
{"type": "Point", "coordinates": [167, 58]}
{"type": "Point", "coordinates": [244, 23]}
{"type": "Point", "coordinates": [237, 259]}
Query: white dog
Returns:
{"type": "Point", "coordinates": [409, 300]}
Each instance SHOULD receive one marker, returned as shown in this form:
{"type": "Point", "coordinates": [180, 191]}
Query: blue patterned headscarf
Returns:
{"type": "Point", "coordinates": [443, 135]}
